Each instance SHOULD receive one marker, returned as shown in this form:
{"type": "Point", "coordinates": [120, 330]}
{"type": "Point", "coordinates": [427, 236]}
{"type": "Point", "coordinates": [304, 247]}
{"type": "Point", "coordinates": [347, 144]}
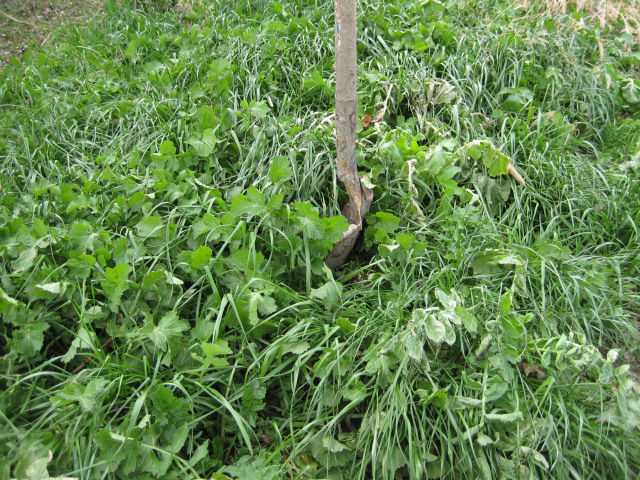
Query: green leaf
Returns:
{"type": "Point", "coordinates": [208, 225]}
{"type": "Point", "coordinates": [86, 396]}
{"type": "Point", "coordinates": [28, 339]}
{"type": "Point", "coordinates": [312, 80]}
{"type": "Point", "coordinates": [387, 222]}
{"type": "Point", "coordinates": [345, 325]}
{"type": "Point", "coordinates": [505, 304]}
{"type": "Point", "coordinates": [200, 258]}
{"type": "Point", "coordinates": [260, 302]}
{"type": "Point", "coordinates": [517, 98]}
{"type": "Point", "coordinates": [253, 395]}
{"type": "Point", "coordinates": [115, 283]}
{"type": "Point", "coordinates": [329, 293]}
{"type": "Point", "coordinates": [435, 397]}
{"type": "Point", "coordinates": [496, 162]}
{"type": "Point", "coordinates": [309, 220]}
{"type": "Point", "coordinates": [149, 227]}
{"type": "Point", "coordinates": [334, 227]}
{"type": "Point", "coordinates": [164, 158]}
{"type": "Point", "coordinates": [280, 169]}
{"type": "Point", "coordinates": [81, 265]}
{"type": "Point", "coordinates": [200, 454]}
{"type": "Point", "coordinates": [218, 67]}
{"type": "Point", "coordinates": [252, 468]}
{"type": "Point", "coordinates": [84, 340]}
{"type": "Point", "coordinates": [493, 159]}
{"type": "Point", "coordinates": [204, 144]}
{"type": "Point", "coordinates": [258, 109]}
{"type": "Point", "coordinates": [169, 327]}
{"type": "Point", "coordinates": [131, 52]}
{"type": "Point", "coordinates": [81, 235]}
{"type": "Point", "coordinates": [151, 279]}
{"type": "Point", "coordinates": [112, 451]}
{"type": "Point", "coordinates": [167, 148]}
{"type": "Point", "coordinates": [468, 320]}
{"type": "Point", "coordinates": [206, 116]}
{"type": "Point", "coordinates": [212, 353]}
{"type": "Point", "coordinates": [167, 408]}
{"type": "Point", "coordinates": [253, 204]}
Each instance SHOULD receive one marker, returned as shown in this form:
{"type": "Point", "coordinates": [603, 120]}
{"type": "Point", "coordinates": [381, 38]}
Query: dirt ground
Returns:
{"type": "Point", "coordinates": [27, 24]}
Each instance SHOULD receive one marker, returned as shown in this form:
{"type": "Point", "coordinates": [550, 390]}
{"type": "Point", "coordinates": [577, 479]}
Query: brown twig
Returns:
{"type": "Point", "coordinates": [10, 17]}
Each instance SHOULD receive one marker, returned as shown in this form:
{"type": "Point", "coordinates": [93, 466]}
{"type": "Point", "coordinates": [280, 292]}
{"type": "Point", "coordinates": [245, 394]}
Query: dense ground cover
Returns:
{"type": "Point", "coordinates": [168, 197]}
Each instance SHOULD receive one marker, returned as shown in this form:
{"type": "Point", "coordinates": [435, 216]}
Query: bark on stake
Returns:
{"type": "Point", "coordinates": [360, 197]}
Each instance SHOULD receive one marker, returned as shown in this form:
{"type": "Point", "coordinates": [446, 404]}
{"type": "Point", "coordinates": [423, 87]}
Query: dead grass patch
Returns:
{"type": "Point", "coordinates": [616, 13]}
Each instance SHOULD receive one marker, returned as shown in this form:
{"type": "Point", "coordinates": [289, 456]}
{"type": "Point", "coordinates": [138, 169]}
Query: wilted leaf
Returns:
{"type": "Point", "coordinates": [530, 370]}
{"type": "Point", "coordinates": [504, 417]}
{"type": "Point", "coordinates": [440, 92]}
{"type": "Point", "coordinates": [25, 260]}
{"type": "Point", "coordinates": [435, 329]}
{"type": "Point", "coordinates": [296, 347]}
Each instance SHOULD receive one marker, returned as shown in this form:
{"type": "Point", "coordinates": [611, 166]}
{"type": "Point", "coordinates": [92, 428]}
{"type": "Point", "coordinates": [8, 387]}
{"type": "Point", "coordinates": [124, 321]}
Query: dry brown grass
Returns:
{"type": "Point", "coordinates": [31, 23]}
{"type": "Point", "coordinates": [625, 13]}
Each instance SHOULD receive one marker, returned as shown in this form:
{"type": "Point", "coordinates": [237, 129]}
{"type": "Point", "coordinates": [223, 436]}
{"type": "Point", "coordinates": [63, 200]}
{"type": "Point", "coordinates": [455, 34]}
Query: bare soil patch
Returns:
{"type": "Point", "coordinates": [27, 24]}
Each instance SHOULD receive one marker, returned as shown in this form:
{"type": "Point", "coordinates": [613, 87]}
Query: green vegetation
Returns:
{"type": "Point", "coordinates": [169, 195]}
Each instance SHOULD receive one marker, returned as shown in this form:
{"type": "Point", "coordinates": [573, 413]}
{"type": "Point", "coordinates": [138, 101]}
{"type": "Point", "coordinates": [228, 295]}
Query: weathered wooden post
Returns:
{"type": "Point", "coordinates": [360, 197]}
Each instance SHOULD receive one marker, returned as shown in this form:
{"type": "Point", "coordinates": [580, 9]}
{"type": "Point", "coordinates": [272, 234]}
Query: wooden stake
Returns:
{"type": "Point", "coordinates": [360, 197]}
